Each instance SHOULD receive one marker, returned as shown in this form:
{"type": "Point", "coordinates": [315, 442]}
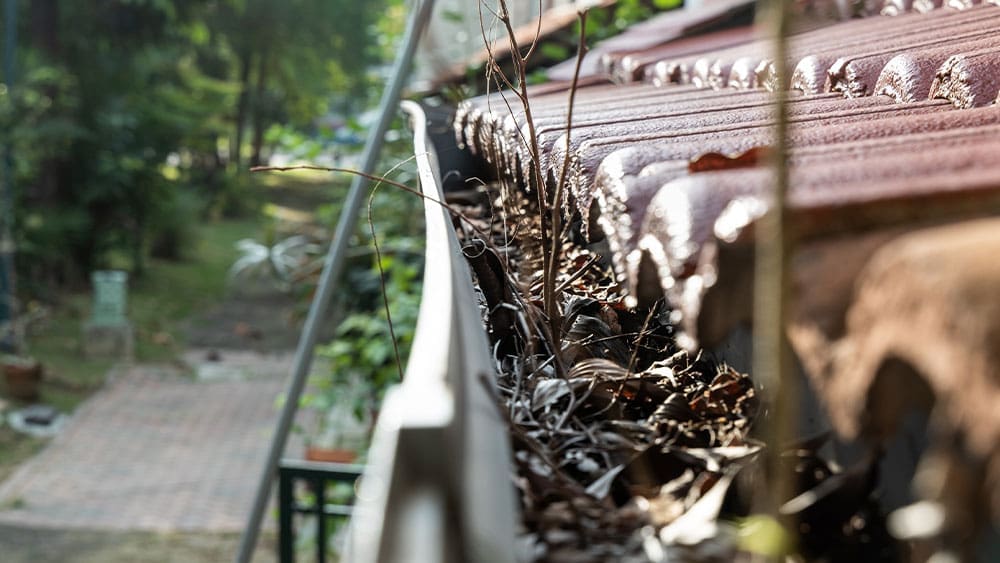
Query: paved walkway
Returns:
{"type": "Point", "coordinates": [156, 450]}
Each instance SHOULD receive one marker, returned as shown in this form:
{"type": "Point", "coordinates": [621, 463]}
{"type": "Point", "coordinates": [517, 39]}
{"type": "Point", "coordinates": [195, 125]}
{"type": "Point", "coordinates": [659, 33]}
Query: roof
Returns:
{"type": "Point", "coordinates": [622, 155]}
{"type": "Point", "coordinates": [666, 27]}
{"type": "Point", "coordinates": [893, 132]}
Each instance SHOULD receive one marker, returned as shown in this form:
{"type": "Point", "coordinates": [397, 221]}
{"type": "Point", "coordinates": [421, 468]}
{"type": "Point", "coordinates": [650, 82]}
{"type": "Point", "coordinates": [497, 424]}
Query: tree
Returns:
{"type": "Point", "coordinates": [293, 58]}
{"type": "Point", "coordinates": [117, 124]}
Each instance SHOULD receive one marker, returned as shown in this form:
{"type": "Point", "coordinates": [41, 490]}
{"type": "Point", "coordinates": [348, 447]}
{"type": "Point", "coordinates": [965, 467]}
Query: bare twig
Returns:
{"type": "Point", "coordinates": [579, 273]}
{"type": "Point", "coordinates": [451, 209]}
{"type": "Point", "coordinates": [772, 362]}
{"type": "Point", "coordinates": [538, 31]}
{"type": "Point", "coordinates": [381, 271]}
{"type": "Point", "coordinates": [642, 332]}
{"type": "Point", "coordinates": [551, 233]}
{"type": "Point", "coordinates": [520, 67]}
{"type": "Point", "coordinates": [549, 290]}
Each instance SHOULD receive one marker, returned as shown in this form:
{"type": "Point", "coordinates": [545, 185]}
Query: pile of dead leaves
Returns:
{"type": "Point", "coordinates": [626, 447]}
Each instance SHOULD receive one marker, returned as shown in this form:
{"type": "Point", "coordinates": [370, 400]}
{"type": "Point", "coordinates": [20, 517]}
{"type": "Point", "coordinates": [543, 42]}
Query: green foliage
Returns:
{"type": "Point", "coordinates": [173, 233]}
{"type": "Point", "coordinates": [362, 347]}
{"type": "Point", "coordinates": [602, 24]}
{"type": "Point", "coordinates": [123, 109]}
{"type": "Point", "coordinates": [103, 102]}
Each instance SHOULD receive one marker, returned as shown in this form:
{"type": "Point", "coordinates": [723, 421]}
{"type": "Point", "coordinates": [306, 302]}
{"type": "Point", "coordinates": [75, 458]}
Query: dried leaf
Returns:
{"type": "Point", "coordinates": [718, 459]}
{"type": "Point", "coordinates": [717, 161]}
{"type": "Point", "coordinates": [700, 522]}
{"type": "Point", "coordinates": [600, 488]}
{"type": "Point", "coordinates": [548, 391]}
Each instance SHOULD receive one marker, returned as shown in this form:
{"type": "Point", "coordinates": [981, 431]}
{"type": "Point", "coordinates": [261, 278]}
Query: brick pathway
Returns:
{"type": "Point", "coordinates": [156, 450]}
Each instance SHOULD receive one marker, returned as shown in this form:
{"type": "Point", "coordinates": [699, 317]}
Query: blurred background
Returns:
{"type": "Point", "coordinates": [157, 285]}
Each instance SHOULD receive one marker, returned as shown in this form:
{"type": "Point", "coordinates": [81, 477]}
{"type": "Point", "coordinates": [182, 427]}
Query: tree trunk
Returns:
{"type": "Point", "coordinates": [242, 107]}
{"type": "Point", "coordinates": [259, 111]}
{"type": "Point", "coordinates": [45, 26]}
{"type": "Point", "coordinates": [44, 14]}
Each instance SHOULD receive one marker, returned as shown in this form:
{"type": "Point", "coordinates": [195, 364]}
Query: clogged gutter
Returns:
{"type": "Point", "coordinates": [626, 447]}
{"type": "Point", "coordinates": [638, 450]}
{"type": "Point", "coordinates": [612, 457]}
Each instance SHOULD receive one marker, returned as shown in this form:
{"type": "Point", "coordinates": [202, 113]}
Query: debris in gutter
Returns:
{"type": "Point", "coordinates": [640, 451]}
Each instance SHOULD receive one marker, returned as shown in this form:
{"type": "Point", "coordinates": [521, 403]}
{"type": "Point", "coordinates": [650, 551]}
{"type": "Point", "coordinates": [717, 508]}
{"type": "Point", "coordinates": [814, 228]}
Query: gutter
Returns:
{"type": "Point", "coordinates": [437, 486]}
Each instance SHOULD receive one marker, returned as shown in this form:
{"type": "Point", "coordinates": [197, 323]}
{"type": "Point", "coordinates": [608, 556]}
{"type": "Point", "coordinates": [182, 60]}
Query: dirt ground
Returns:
{"type": "Point", "coordinates": [263, 322]}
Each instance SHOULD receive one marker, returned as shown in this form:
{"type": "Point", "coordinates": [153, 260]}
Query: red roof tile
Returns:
{"type": "Point", "coordinates": [861, 162]}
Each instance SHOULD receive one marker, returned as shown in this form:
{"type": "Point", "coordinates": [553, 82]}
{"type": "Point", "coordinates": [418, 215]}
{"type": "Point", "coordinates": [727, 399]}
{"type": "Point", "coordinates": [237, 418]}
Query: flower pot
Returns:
{"type": "Point", "coordinates": [23, 380]}
{"type": "Point", "coordinates": [334, 455]}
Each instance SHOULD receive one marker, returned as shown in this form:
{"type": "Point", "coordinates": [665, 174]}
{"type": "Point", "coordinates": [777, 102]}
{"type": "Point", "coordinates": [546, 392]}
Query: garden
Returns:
{"type": "Point", "coordinates": [128, 130]}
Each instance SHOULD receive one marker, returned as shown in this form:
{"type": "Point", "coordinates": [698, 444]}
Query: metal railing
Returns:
{"type": "Point", "coordinates": [317, 476]}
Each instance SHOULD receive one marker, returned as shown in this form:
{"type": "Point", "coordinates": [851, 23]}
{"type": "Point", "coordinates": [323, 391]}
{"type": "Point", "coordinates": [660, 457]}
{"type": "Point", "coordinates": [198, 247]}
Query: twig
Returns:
{"type": "Point", "coordinates": [381, 271]}
{"type": "Point", "coordinates": [455, 212]}
{"type": "Point", "coordinates": [642, 332]}
{"type": "Point", "coordinates": [578, 274]}
{"type": "Point", "coordinates": [520, 66]}
{"type": "Point", "coordinates": [538, 32]}
{"type": "Point", "coordinates": [549, 289]}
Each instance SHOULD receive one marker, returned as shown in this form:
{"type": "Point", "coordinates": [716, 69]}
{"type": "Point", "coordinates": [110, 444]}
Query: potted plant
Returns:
{"type": "Point", "coordinates": [362, 365]}
{"type": "Point", "coordinates": [22, 376]}
{"type": "Point", "coordinates": [22, 373]}
{"type": "Point", "coordinates": [343, 420]}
